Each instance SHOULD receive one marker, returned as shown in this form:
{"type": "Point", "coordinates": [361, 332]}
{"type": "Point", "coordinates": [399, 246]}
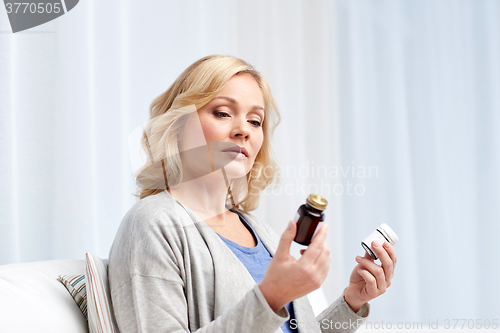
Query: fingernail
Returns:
{"type": "Point", "coordinates": [289, 226]}
{"type": "Point", "coordinates": [386, 245]}
{"type": "Point", "coordinates": [376, 244]}
{"type": "Point", "coordinates": [358, 258]}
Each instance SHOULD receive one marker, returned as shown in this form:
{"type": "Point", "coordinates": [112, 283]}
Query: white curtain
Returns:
{"type": "Point", "coordinates": [419, 94]}
{"type": "Point", "coordinates": [390, 110]}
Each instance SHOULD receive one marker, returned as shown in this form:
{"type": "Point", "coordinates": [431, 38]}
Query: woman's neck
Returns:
{"type": "Point", "coordinates": [206, 196]}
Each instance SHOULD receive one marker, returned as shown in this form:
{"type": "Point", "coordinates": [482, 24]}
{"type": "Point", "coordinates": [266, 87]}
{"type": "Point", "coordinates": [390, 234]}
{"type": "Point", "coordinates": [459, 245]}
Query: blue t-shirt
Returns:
{"type": "Point", "coordinates": [256, 259]}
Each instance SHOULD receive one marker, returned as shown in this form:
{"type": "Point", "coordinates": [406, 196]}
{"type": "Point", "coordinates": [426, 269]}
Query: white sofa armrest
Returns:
{"type": "Point", "coordinates": [32, 299]}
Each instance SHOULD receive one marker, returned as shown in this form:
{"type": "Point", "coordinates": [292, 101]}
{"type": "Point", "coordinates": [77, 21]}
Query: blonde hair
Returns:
{"type": "Point", "coordinates": [197, 86]}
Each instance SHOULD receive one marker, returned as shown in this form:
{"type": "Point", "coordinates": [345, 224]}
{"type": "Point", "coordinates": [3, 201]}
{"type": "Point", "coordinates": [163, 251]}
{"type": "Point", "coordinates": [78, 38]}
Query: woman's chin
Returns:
{"type": "Point", "coordinates": [235, 170]}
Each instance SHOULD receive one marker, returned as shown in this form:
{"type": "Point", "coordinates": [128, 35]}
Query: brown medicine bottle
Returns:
{"type": "Point", "coordinates": [308, 217]}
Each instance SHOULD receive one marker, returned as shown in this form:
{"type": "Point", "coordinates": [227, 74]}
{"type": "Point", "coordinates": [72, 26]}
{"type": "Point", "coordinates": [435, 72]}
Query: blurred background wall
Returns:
{"type": "Point", "coordinates": [391, 110]}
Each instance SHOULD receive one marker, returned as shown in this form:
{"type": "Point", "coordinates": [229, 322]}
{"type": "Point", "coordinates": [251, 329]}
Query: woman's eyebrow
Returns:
{"type": "Point", "coordinates": [232, 100]}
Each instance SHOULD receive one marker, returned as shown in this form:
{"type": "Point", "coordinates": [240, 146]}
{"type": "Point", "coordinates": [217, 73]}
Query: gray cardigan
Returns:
{"type": "Point", "coordinates": [170, 272]}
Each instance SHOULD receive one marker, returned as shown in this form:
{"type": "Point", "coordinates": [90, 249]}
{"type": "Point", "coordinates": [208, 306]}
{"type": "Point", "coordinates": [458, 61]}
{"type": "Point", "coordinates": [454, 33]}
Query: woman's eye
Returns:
{"type": "Point", "coordinates": [256, 123]}
{"type": "Point", "coordinates": [220, 114]}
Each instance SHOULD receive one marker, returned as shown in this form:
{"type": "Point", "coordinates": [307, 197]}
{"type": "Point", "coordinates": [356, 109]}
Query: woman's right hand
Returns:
{"type": "Point", "coordinates": [287, 278]}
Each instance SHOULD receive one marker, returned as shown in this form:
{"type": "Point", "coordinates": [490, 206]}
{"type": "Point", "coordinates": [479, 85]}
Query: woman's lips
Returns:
{"type": "Point", "coordinates": [236, 155]}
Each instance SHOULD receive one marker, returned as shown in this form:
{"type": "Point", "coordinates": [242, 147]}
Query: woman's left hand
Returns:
{"type": "Point", "coordinates": [369, 280]}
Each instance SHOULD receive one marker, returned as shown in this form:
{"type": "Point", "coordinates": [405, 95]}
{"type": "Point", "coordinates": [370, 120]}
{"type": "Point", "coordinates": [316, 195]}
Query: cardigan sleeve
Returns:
{"type": "Point", "coordinates": [146, 304]}
{"type": "Point", "coordinates": [338, 317]}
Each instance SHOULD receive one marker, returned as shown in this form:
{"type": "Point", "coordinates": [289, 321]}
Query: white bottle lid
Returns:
{"type": "Point", "coordinates": [393, 238]}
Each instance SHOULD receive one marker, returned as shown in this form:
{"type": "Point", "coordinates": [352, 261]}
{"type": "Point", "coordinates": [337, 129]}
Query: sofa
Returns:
{"type": "Point", "coordinates": [33, 297]}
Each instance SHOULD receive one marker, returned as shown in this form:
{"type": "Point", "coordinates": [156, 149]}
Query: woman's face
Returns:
{"type": "Point", "coordinates": [232, 119]}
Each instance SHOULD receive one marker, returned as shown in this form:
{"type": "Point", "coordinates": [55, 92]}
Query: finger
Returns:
{"type": "Point", "coordinates": [286, 240]}
{"type": "Point", "coordinates": [375, 270]}
{"type": "Point", "coordinates": [314, 249]}
{"type": "Point", "coordinates": [323, 271]}
{"type": "Point", "coordinates": [370, 280]}
{"type": "Point", "coordinates": [304, 250]}
{"type": "Point", "coordinates": [323, 262]}
{"type": "Point", "coordinates": [385, 260]}
{"type": "Point", "coordinates": [369, 257]}
{"type": "Point", "coordinates": [323, 255]}
{"type": "Point", "coordinates": [391, 252]}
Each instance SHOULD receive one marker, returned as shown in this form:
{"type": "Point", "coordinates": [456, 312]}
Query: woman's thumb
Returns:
{"type": "Point", "coordinates": [286, 238]}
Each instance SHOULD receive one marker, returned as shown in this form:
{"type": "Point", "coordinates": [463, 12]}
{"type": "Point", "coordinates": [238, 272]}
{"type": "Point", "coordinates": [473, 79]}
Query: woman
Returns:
{"type": "Point", "coordinates": [188, 256]}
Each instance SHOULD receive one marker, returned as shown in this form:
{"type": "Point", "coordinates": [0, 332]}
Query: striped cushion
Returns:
{"type": "Point", "coordinates": [101, 318]}
{"type": "Point", "coordinates": [76, 287]}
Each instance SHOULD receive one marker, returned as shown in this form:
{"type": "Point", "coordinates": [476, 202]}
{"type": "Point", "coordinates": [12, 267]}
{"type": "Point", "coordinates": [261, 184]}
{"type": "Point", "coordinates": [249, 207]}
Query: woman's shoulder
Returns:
{"type": "Point", "coordinates": [150, 227]}
{"type": "Point", "coordinates": [154, 221]}
{"type": "Point", "coordinates": [158, 208]}
{"type": "Point", "coordinates": [153, 215]}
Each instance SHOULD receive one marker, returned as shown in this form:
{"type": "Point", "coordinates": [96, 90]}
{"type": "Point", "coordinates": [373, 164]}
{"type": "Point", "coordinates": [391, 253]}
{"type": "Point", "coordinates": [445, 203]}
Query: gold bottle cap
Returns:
{"type": "Point", "coordinates": [317, 201]}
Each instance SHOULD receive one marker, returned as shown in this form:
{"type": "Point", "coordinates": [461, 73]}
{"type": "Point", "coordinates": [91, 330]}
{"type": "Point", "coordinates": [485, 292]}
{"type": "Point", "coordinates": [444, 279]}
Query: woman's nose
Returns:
{"type": "Point", "coordinates": [240, 129]}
